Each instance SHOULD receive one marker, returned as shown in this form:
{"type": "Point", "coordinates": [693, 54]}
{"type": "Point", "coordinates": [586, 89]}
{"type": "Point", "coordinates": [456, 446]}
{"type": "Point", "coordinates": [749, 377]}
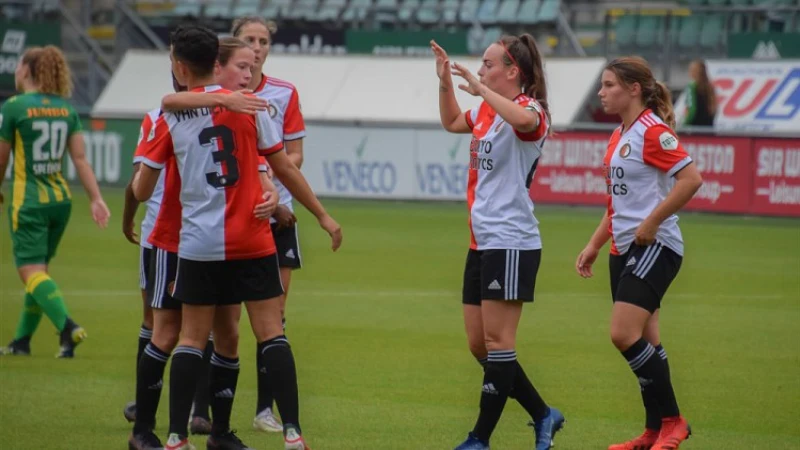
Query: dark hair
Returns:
{"type": "Point", "coordinates": [655, 95]}
{"type": "Point", "coordinates": [704, 86]}
{"type": "Point", "coordinates": [227, 47]}
{"type": "Point", "coordinates": [236, 28]}
{"type": "Point", "coordinates": [197, 47]}
{"type": "Point", "coordinates": [527, 58]}
{"type": "Point", "coordinates": [49, 70]}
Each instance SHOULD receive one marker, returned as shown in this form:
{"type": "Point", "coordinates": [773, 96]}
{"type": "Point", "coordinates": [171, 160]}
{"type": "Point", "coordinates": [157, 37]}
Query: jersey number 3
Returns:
{"type": "Point", "coordinates": [226, 145]}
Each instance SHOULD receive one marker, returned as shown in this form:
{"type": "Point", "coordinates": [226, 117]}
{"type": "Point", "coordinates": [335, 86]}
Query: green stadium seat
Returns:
{"type": "Point", "coordinates": [508, 11]}
{"type": "Point", "coordinates": [428, 12]}
{"type": "Point", "coordinates": [183, 9]}
{"type": "Point", "coordinates": [674, 29]}
{"type": "Point", "coordinates": [406, 11]}
{"type": "Point", "coordinates": [222, 9]}
{"type": "Point", "coordinates": [487, 12]}
{"type": "Point", "coordinates": [625, 30]}
{"type": "Point", "coordinates": [717, 2]}
{"type": "Point", "coordinates": [689, 32]}
{"type": "Point", "coordinates": [739, 22]}
{"type": "Point", "coordinates": [450, 10]}
{"type": "Point", "coordinates": [469, 11]}
{"type": "Point", "coordinates": [713, 30]}
{"type": "Point", "coordinates": [549, 11]}
{"type": "Point", "coordinates": [246, 8]}
{"type": "Point", "coordinates": [357, 10]}
{"type": "Point", "coordinates": [741, 2]}
{"type": "Point", "coordinates": [649, 30]}
{"type": "Point", "coordinates": [329, 12]}
{"type": "Point", "coordinates": [528, 13]}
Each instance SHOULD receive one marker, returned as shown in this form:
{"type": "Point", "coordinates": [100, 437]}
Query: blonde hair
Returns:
{"type": "Point", "coordinates": [227, 47]}
{"type": "Point", "coordinates": [49, 70]}
{"type": "Point", "coordinates": [239, 23]}
{"type": "Point", "coordinates": [655, 95]}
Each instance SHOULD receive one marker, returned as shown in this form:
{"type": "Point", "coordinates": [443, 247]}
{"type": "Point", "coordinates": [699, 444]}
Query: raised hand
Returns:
{"type": "Point", "coordinates": [473, 85]}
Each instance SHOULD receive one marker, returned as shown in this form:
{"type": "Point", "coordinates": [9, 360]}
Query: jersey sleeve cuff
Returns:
{"type": "Point", "coordinates": [268, 151]}
{"type": "Point", "coordinates": [294, 136]}
{"type": "Point", "coordinates": [152, 164]}
{"type": "Point", "coordinates": [137, 159]}
{"type": "Point", "coordinates": [680, 165]}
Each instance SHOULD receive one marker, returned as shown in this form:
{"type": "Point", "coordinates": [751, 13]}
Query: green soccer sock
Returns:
{"type": "Point", "coordinates": [29, 318]}
{"type": "Point", "coordinates": [48, 296]}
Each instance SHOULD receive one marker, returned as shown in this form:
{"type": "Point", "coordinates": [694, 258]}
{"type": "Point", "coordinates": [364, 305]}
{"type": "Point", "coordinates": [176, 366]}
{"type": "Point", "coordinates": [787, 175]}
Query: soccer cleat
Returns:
{"type": "Point", "coordinates": [18, 347]}
{"type": "Point", "coordinates": [130, 411]}
{"type": "Point", "coordinates": [674, 430]}
{"type": "Point", "coordinates": [71, 336]}
{"type": "Point", "coordinates": [266, 421]}
{"type": "Point", "coordinates": [643, 442]}
{"type": "Point", "coordinates": [225, 441]}
{"type": "Point", "coordinates": [547, 428]}
{"type": "Point", "coordinates": [144, 441]}
{"type": "Point", "coordinates": [473, 443]}
{"type": "Point", "coordinates": [178, 442]}
{"type": "Point", "coordinates": [199, 425]}
{"type": "Point", "coordinates": [292, 440]}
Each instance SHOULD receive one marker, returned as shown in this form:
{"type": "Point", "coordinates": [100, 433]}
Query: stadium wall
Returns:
{"type": "Point", "coordinates": [417, 160]}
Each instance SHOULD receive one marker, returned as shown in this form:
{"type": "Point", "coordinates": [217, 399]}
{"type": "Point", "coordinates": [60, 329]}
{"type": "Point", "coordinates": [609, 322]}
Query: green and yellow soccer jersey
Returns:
{"type": "Point", "coordinates": [38, 127]}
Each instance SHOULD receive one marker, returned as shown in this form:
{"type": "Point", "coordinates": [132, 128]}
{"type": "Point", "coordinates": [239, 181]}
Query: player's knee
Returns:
{"type": "Point", "coordinates": [497, 340]}
{"type": "Point", "coordinates": [478, 348]}
{"type": "Point", "coordinates": [623, 338]}
{"type": "Point", "coordinates": [166, 340]}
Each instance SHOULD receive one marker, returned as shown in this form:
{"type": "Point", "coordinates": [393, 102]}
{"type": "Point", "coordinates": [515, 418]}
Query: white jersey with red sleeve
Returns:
{"type": "Point", "coordinates": [153, 204]}
{"type": "Point", "coordinates": [501, 167]}
{"type": "Point", "coordinates": [639, 166]}
{"type": "Point", "coordinates": [284, 109]}
{"type": "Point", "coordinates": [217, 156]}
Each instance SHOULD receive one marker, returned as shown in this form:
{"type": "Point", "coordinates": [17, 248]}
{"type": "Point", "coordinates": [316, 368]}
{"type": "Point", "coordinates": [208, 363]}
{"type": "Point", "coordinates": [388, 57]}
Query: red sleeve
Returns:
{"type": "Point", "coordinates": [293, 125]}
{"type": "Point", "coordinates": [663, 151]}
{"type": "Point", "coordinates": [468, 118]}
{"type": "Point", "coordinates": [144, 131]}
{"type": "Point", "coordinates": [157, 145]}
{"type": "Point", "coordinates": [533, 106]}
{"type": "Point", "coordinates": [262, 164]}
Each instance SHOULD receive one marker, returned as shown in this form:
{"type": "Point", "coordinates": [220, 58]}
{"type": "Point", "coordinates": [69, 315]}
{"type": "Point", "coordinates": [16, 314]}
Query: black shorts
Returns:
{"type": "Point", "coordinates": [144, 266]}
{"type": "Point", "coordinates": [500, 275]}
{"type": "Point", "coordinates": [161, 279]}
{"type": "Point", "coordinates": [642, 275]}
{"type": "Point", "coordinates": [288, 246]}
{"type": "Point", "coordinates": [228, 282]}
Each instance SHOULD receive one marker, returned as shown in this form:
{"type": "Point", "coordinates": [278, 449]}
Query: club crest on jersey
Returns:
{"type": "Point", "coordinates": [625, 151]}
{"type": "Point", "coordinates": [273, 111]}
{"type": "Point", "coordinates": [668, 141]}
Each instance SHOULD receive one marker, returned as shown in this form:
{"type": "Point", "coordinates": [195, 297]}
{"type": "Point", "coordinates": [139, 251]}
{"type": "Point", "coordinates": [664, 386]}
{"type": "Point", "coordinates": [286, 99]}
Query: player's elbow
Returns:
{"type": "Point", "coordinates": [140, 192]}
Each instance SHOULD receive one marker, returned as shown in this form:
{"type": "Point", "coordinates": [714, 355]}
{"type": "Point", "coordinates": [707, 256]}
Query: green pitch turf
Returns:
{"type": "Point", "coordinates": [383, 363]}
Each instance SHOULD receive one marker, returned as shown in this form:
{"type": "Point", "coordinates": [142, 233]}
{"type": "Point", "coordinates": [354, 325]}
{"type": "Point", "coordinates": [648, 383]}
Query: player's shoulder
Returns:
{"type": "Point", "coordinates": [278, 83]}
{"type": "Point", "coordinates": [654, 131]}
{"type": "Point", "coordinates": [276, 88]}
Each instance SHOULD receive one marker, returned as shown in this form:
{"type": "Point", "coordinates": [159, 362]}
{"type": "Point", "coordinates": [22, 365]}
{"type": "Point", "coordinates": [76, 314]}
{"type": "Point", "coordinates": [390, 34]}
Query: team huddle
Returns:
{"type": "Point", "coordinates": [217, 167]}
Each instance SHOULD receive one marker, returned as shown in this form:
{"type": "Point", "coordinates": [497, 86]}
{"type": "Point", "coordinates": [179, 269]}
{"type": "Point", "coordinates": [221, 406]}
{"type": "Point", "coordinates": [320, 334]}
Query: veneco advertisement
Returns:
{"type": "Point", "coordinates": [741, 175]}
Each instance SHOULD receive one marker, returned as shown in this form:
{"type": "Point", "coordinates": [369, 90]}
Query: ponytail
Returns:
{"type": "Point", "coordinates": [523, 52]}
{"type": "Point", "coordinates": [49, 70]}
{"type": "Point", "coordinates": [661, 103]}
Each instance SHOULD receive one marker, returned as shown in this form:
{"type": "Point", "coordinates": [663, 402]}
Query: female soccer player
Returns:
{"type": "Point", "coordinates": [508, 131]}
{"type": "Point", "coordinates": [233, 71]}
{"type": "Point", "coordinates": [284, 109]}
{"type": "Point", "coordinates": [701, 101]}
{"type": "Point", "coordinates": [40, 124]}
{"type": "Point", "coordinates": [643, 158]}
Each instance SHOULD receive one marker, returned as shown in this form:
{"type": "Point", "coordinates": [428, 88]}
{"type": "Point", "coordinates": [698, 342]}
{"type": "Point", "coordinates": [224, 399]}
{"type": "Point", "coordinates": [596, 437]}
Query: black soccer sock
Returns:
{"type": "Point", "coordinates": [276, 357]}
{"type": "Point", "coordinates": [186, 365]}
{"type": "Point", "coordinates": [527, 395]}
{"type": "Point", "coordinates": [202, 392]}
{"type": "Point", "coordinates": [498, 378]}
{"type": "Point", "coordinates": [149, 381]}
{"type": "Point", "coordinates": [648, 366]}
{"type": "Point", "coordinates": [145, 334]}
{"type": "Point", "coordinates": [224, 375]}
{"type": "Point", "coordinates": [482, 362]}
{"type": "Point", "coordinates": [265, 398]}
{"type": "Point", "coordinates": [652, 413]}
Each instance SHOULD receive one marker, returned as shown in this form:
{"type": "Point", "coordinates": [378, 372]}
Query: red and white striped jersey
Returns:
{"type": "Point", "coordinates": [501, 167]}
{"type": "Point", "coordinates": [639, 166]}
{"type": "Point", "coordinates": [284, 109]}
{"type": "Point", "coordinates": [216, 153]}
{"type": "Point", "coordinates": [154, 202]}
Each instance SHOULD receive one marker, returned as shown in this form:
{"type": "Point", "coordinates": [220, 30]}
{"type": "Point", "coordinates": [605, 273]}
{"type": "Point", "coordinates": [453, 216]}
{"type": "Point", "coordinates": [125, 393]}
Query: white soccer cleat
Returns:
{"type": "Point", "coordinates": [175, 442]}
{"type": "Point", "coordinates": [266, 421]}
{"type": "Point", "coordinates": [292, 439]}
